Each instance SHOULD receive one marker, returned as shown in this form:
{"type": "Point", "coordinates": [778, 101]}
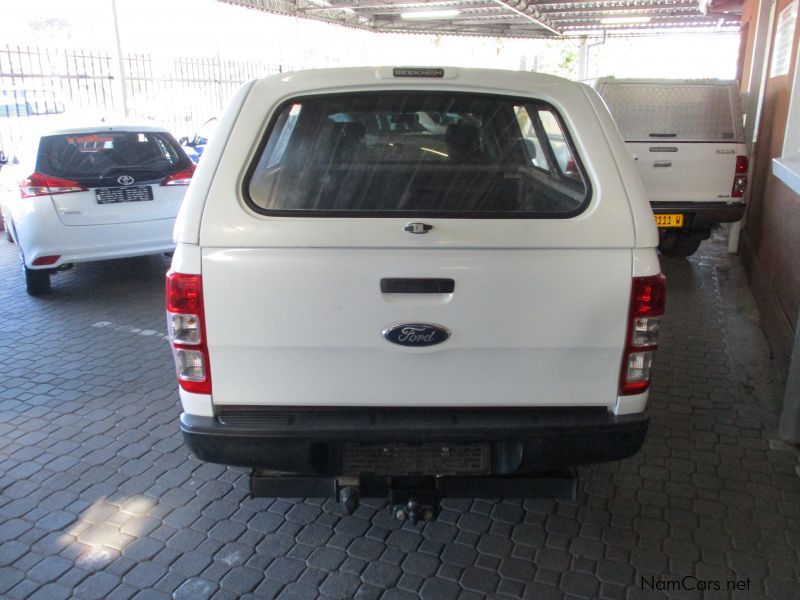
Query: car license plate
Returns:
{"type": "Point", "coordinates": [416, 459]}
{"type": "Point", "coordinates": [669, 220]}
{"type": "Point", "coordinates": [139, 193]}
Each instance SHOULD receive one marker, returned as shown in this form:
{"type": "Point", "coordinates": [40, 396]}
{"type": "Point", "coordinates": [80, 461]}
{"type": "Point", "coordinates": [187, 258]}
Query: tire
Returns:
{"type": "Point", "coordinates": [679, 244]}
{"type": "Point", "coordinates": [37, 281]}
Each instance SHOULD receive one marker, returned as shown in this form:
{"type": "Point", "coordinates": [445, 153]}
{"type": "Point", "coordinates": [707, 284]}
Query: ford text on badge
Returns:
{"type": "Point", "coordinates": [416, 334]}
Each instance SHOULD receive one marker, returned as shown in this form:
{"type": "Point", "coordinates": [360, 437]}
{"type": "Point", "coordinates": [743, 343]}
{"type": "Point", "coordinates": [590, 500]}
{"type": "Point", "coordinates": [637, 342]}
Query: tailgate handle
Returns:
{"type": "Point", "coordinates": [662, 163]}
{"type": "Point", "coordinates": [417, 285]}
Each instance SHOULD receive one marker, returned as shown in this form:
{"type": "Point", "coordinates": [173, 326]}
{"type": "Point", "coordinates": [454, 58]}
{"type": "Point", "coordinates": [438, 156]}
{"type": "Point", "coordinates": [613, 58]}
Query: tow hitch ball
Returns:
{"type": "Point", "coordinates": [350, 497]}
{"type": "Point", "coordinates": [407, 504]}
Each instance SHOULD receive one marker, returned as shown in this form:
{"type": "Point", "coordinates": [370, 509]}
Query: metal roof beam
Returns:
{"type": "Point", "coordinates": [397, 9]}
{"type": "Point", "coordinates": [524, 9]}
{"type": "Point", "coordinates": [623, 9]}
{"type": "Point", "coordinates": [367, 6]}
{"type": "Point", "coordinates": [594, 24]}
{"type": "Point", "coordinates": [551, 6]}
{"type": "Point", "coordinates": [523, 18]}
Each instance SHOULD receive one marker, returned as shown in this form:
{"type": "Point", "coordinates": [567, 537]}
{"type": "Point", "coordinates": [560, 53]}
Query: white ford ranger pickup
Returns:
{"type": "Point", "coordinates": [414, 282]}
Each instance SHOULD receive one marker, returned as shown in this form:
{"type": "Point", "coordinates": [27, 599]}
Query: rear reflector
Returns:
{"type": "Point", "coordinates": [647, 305]}
{"type": "Point", "coordinates": [46, 260]}
{"type": "Point", "coordinates": [181, 177]}
{"type": "Point", "coordinates": [186, 329]}
{"type": "Point", "coordinates": [43, 185]}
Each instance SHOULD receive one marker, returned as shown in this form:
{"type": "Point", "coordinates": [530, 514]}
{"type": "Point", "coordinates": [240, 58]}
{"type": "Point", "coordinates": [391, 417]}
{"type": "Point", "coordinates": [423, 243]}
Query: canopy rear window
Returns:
{"type": "Point", "coordinates": [416, 154]}
{"type": "Point", "coordinates": [679, 112]}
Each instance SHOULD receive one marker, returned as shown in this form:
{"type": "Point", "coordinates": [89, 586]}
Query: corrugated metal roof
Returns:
{"type": "Point", "coordinates": [513, 18]}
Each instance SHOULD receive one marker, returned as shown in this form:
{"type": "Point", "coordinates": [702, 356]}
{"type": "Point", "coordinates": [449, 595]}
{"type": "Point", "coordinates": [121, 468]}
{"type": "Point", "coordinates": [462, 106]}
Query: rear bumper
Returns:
{"type": "Point", "coordinates": [701, 215]}
{"type": "Point", "coordinates": [311, 441]}
{"type": "Point", "coordinates": [44, 235]}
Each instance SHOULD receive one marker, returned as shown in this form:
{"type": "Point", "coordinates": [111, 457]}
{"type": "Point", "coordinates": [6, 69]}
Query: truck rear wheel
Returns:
{"type": "Point", "coordinates": [679, 243]}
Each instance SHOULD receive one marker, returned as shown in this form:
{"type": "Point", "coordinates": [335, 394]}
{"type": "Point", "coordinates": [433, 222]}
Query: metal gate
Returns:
{"type": "Point", "coordinates": [179, 93]}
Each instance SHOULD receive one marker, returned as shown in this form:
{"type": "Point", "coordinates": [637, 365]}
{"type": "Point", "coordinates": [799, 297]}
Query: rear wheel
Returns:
{"type": "Point", "coordinates": [37, 281]}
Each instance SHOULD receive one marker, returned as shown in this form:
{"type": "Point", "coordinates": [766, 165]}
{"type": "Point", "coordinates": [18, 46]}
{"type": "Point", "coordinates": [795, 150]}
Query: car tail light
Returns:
{"type": "Point", "coordinates": [46, 260]}
{"type": "Point", "coordinates": [43, 185]}
{"type": "Point", "coordinates": [186, 329]}
{"type": "Point", "coordinates": [641, 339]}
{"type": "Point", "coordinates": [740, 178]}
{"type": "Point", "coordinates": [183, 177]}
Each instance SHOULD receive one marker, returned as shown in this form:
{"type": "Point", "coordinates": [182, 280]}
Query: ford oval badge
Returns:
{"type": "Point", "coordinates": [416, 334]}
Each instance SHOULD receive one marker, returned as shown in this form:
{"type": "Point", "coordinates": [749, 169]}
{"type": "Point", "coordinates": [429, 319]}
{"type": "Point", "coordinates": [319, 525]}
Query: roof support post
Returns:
{"type": "Point", "coordinates": [583, 60]}
{"type": "Point", "coordinates": [122, 80]}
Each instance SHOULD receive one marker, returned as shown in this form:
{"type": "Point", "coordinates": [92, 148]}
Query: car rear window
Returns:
{"type": "Point", "coordinates": [105, 155]}
{"type": "Point", "coordinates": [678, 112]}
{"type": "Point", "coordinates": [415, 154]}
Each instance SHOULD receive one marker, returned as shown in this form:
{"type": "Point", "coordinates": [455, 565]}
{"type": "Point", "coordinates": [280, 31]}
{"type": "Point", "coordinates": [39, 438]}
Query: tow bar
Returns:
{"type": "Point", "coordinates": [415, 498]}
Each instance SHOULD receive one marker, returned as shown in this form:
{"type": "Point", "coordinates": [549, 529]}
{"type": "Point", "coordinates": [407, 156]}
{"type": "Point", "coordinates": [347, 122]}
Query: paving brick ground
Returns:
{"type": "Point", "coordinates": [99, 499]}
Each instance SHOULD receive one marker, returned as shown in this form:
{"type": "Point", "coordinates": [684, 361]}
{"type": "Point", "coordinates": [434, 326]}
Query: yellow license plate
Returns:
{"type": "Point", "coordinates": [669, 220]}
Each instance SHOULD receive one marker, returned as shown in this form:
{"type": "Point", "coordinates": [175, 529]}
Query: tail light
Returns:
{"type": "Point", "coordinates": [186, 328]}
{"type": "Point", "coordinates": [43, 185]}
{"type": "Point", "coordinates": [183, 177]}
{"type": "Point", "coordinates": [740, 177]}
{"type": "Point", "coordinates": [641, 341]}
{"type": "Point", "coordinates": [43, 261]}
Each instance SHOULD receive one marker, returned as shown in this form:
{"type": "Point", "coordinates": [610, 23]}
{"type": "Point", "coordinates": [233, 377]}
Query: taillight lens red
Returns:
{"type": "Point", "coordinates": [740, 177]}
{"type": "Point", "coordinates": [184, 293]}
{"type": "Point", "coordinates": [43, 185]}
{"type": "Point", "coordinates": [647, 305]}
{"type": "Point", "coordinates": [46, 260]}
{"type": "Point", "coordinates": [186, 328]}
{"type": "Point", "coordinates": [648, 296]}
{"type": "Point", "coordinates": [183, 177]}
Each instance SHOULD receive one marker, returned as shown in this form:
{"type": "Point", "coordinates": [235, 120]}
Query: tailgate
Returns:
{"type": "Point", "coordinates": [530, 239]}
{"type": "Point", "coordinates": [527, 327]}
{"type": "Point", "coordinates": [686, 172]}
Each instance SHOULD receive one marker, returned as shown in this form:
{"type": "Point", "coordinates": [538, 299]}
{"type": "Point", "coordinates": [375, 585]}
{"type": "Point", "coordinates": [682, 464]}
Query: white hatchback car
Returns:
{"type": "Point", "coordinates": [414, 282]}
{"type": "Point", "coordinates": [74, 195]}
